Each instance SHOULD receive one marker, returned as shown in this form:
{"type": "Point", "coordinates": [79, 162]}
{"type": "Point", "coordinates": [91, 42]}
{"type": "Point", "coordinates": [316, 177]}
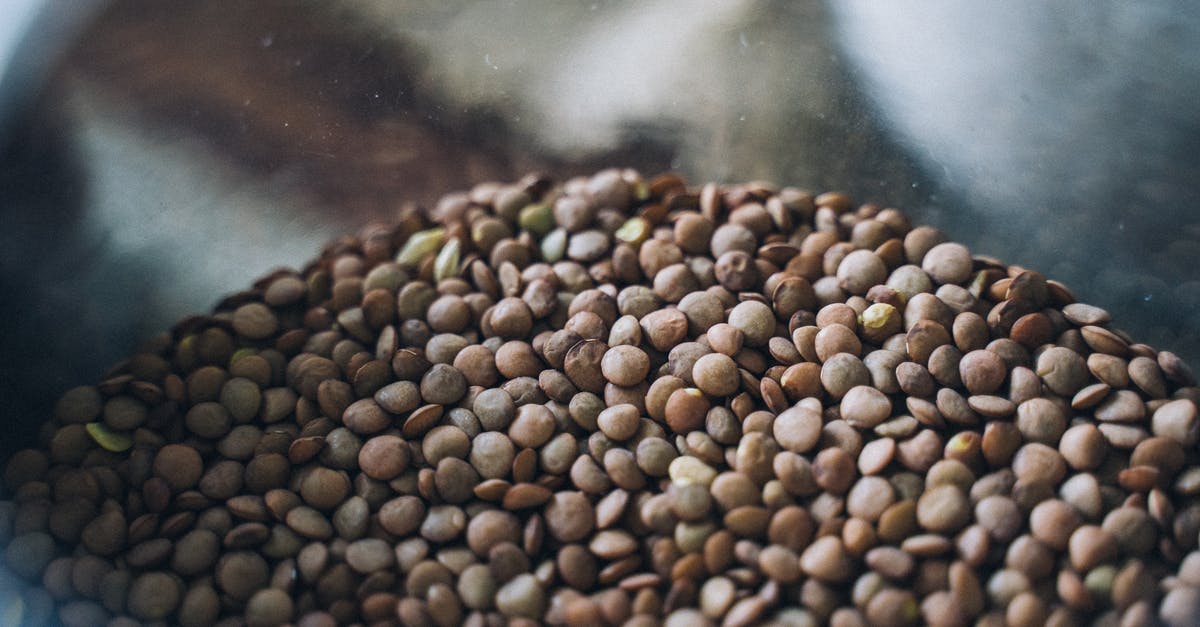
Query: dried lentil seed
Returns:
{"type": "Point", "coordinates": [503, 372]}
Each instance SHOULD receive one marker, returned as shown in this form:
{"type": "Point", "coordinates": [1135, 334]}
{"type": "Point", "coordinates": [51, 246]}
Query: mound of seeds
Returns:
{"type": "Point", "coordinates": [619, 401]}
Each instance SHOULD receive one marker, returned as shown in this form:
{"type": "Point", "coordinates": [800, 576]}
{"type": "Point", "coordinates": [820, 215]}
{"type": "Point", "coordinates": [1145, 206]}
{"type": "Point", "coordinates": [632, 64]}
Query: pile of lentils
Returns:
{"type": "Point", "coordinates": [620, 401]}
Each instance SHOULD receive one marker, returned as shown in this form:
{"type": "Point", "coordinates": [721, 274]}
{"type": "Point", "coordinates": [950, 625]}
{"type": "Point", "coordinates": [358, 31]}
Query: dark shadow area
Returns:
{"type": "Point", "coordinates": [48, 344]}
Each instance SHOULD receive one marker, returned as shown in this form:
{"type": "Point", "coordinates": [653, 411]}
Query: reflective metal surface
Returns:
{"type": "Point", "coordinates": [179, 150]}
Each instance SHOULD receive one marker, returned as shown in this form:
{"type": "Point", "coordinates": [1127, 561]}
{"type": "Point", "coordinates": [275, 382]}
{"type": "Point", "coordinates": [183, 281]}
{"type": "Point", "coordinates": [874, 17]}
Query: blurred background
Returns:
{"type": "Point", "coordinates": [155, 155]}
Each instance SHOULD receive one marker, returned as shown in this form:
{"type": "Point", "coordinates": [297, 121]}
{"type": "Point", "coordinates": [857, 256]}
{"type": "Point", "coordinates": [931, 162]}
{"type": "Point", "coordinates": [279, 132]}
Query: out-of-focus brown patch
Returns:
{"type": "Point", "coordinates": [279, 86]}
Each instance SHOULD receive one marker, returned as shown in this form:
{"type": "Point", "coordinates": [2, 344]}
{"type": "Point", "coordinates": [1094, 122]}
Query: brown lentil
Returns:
{"type": "Point", "coordinates": [716, 375]}
{"type": "Point", "coordinates": [617, 400]}
{"type": "Point", "coordinates": [625, 365]}
{"type": "Point", "coordinates": [865, 407]}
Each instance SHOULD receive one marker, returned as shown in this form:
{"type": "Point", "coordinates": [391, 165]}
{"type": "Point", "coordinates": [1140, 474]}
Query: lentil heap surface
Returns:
{"type": "Point", "coordinates": [619, 401]}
